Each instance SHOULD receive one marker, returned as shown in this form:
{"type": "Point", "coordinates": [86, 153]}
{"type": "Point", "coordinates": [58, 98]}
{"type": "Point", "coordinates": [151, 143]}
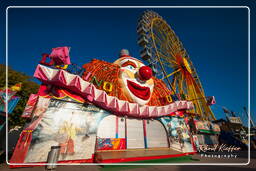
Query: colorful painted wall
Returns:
{"type": "Point", "coordinates": [65, 123]}
{"type": "Point", "coordinates": [178, 132]}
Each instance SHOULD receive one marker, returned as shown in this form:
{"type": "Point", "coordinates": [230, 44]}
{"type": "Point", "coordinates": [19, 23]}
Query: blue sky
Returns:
{"type": "Point", "coordinates": [216, 40]}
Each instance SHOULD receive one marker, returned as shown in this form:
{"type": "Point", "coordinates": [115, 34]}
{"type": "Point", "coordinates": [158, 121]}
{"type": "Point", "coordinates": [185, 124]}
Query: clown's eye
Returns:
{"type": "Point", "coordinates": [130, 67]}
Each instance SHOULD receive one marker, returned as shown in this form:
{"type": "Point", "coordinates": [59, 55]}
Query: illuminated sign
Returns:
{"type": "Point", "coordinates": [107, 86]}
{"type": "Point", "coordinates": [236, 120]}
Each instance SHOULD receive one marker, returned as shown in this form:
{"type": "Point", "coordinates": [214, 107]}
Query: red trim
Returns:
{"type": "Point", "coordinates": [125, 127]}
{"type": "Point", "coordinates": [124, 55]}
{"type": "Point", "coordinates": [144, 122]}
{"type": "Point", "coordinates": [116, 127]}
{"type": "Point", "coordinates": [131, 159]}
{"type": "Point", "coordinates": [91, 160]}
{"type": "Point", "coordinates": [192, 142]}
{"type": "Point", "coordinates": [144, 127]}
{"type": "Point", "coordinates": [129, 57]}
{"type": "Point", "coordinates": [129, 63]}
{"type": "Point", "coordinates": [21, 148]}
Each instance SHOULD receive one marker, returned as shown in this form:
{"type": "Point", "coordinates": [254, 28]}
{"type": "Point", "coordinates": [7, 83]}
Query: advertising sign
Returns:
{"type": "Point", "coordinates": [235, 120]}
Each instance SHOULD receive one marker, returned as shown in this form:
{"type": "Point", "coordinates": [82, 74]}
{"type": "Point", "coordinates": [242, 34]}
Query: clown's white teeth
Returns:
{"type": "Point", "coordinates": [144, 112]}
{"type": "Point", "coordinates": [136, 82]}
{"type": "Point", "coordinates": [171, 108]}
{"type": "Point", "coordinates": [84, 85]}
{"type": "Point", "coordinates": [161, 110]}
{"type": "Point", "coordinates": [75, 83]}
{"type": "Point", "coordinates": [178, 103]}
{"type": "Point", "coordinates": [68, 77]}
{"type": "Point", "coordinates": [48, 73]}
{"type": "Point", "coordinates": [59, 77]}
{"type": "Point", "coordinates": [183, 105]}
{"type": "Point", "coordinates": [153, 111]}
{"type": "Point", "coordinates": [111, 102]}
{"type": "Point", "coordinates": [100, 96]}
{"type": "Point", "coordinates": [123, 106]}
{"type": "Point", "coordinates": [190, 105]}
{"type": "Point", "coordinates": [133, 109]}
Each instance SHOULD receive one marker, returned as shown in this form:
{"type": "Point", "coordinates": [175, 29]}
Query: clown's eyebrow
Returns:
{"type": "Point", "coordinates": [129, 63]}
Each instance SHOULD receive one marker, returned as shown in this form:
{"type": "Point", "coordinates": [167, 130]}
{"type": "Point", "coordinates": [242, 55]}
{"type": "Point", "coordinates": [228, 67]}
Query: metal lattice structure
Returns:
{"type": "Point", "coordinates": [169, 60]}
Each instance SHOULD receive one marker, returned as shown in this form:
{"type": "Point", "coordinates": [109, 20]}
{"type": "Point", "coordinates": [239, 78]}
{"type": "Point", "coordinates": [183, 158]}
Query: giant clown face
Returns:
{"type": "Point", "coordinates": [136, 80]}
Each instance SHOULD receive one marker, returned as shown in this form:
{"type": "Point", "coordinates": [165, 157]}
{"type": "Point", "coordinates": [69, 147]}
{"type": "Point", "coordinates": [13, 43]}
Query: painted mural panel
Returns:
{"type": "Point", "coordinates": [111, 133]}
{"type": "Point", "coordinates": [67, 124]}
{"type": "Point", "coordinates": [31, 103]}
{"type": "Point", "coordinates": [111, 144]}
{"type": "Point", "coordinates": [207, 127]}
{"type": "Point", "coordinates": [178, 132]}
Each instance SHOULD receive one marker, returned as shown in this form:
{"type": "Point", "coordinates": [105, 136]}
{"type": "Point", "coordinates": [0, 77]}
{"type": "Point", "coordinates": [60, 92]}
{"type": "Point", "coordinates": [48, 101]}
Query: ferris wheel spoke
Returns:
{"type": "Point", "coordinates": [159, 36]}
{"type": "Point", "coordinates": [159, 40]}
{"type": "Point", "coordinates": [171, 48]}
{"type": "Point", "coordinates": [169, 52]}
{"type": "Point", "coordinates": [172, 73]}
{"type": "Point", "coordinates": [171, 39]}
{"type": "Point", "coordinates": [181, 91]}
{"type": "Point", "coordinates": [174, 79]}
{"type": "Point", "coordinates": [167, 58]}
{"type": "Point", "coordinates": [169, 34]}
{"type": "Point", "coordinates": [172, 51]}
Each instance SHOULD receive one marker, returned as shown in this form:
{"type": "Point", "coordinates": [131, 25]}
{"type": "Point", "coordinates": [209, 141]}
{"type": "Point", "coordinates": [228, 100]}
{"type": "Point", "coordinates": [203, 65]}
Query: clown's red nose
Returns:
{"type": "Point", "coordinates": [145, 73]}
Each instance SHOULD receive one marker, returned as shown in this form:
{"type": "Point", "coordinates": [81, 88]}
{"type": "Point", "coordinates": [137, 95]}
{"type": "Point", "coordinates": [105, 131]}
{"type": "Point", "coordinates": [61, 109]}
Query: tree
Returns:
{"type": "Point", "coordinates": [27, 88]}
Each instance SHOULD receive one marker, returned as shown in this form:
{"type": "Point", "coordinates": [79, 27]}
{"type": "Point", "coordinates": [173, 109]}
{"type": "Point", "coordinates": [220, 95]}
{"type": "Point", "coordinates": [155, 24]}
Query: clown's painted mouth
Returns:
{"type": "Point", "coordinates": [139, 91]}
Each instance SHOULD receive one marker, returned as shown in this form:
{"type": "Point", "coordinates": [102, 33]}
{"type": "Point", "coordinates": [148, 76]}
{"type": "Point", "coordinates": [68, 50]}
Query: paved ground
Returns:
{"type": "Point", "coordinates": [196, 159]}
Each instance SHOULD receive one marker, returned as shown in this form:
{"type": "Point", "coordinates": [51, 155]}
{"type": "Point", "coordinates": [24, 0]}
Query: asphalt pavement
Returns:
{"type": "Point", "coordinates": [195, 164]}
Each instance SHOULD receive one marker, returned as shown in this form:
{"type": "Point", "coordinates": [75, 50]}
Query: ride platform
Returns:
{"type": "Point", "coordinates": [132, 155]}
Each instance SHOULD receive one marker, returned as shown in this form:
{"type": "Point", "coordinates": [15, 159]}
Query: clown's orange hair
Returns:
{"type": "Point", "coordinates": [109, 72]}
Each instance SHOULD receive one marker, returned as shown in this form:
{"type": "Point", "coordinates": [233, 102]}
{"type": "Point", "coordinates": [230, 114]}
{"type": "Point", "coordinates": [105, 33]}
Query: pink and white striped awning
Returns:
{"type": "Point", "coordinates": [86, 89]}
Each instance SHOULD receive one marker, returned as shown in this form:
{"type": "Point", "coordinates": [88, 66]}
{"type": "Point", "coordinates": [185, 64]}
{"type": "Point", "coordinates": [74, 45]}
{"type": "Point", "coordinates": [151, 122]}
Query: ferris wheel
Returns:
{"type": "Point", "coordinates": [169, 60]}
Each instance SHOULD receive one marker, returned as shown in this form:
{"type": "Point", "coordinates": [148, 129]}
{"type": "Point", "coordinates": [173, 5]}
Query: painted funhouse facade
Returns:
{"type": "Point", "coordinates": [109, 106]}
{"type": "Point", "coordinates": [109, 112]}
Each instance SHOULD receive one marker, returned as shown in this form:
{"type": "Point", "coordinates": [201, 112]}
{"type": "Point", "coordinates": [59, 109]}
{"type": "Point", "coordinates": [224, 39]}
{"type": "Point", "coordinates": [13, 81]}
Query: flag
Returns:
{"type": "Point", "coordinates": [210, 100]}
{"type": "Point", "coordinates": [225, 110]}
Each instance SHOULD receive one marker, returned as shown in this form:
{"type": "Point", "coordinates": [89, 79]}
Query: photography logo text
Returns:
{"type": "Point", "coordinates": [218, 151]}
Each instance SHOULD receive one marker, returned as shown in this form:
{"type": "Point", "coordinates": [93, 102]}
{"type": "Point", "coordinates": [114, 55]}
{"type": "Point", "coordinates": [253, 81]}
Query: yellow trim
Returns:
{"type": "Point", "coordinates": [27, 130]}
{"type": "Point", "coordinates": [62, 67]}
{"type": "Point", "coordinates": [49, 96]}
{"type": "Point", "coordinates": [46, 96]}
{"type": "Point", "coordinates": [71, 97]}
{"type": "Point", "coordinates": [172, 73]}
{"type": "Point", "coordinates": [185, 61]}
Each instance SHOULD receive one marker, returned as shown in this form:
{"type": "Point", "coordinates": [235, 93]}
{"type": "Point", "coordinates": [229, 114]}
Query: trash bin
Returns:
{"type": "Point", "coordinates": [53, 157]}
